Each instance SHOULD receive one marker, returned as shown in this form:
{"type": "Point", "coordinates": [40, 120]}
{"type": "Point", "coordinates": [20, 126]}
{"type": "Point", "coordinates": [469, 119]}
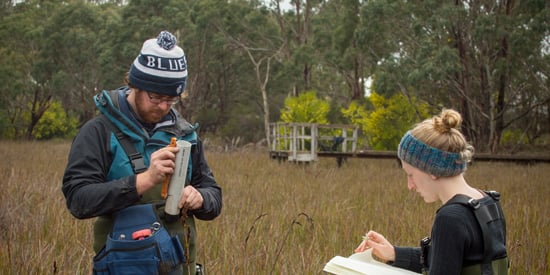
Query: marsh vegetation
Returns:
{"type": "Point", "coordinates": [278, 218]}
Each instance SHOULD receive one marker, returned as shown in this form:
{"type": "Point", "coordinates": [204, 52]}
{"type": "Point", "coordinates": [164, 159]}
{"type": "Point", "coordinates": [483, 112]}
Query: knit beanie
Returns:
{"type": "Point", "coordinates": [160, 67]}
{"type": "Point", "coordinates": [429, 159]}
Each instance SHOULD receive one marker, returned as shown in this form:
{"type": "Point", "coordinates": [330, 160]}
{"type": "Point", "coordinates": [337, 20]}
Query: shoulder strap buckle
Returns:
{"type": "Point", "coordinates": [494, 194]}
{"type": "Point", "coordinates": [137, 162]}
{"type": "Point", "coordinates": [474, 203]}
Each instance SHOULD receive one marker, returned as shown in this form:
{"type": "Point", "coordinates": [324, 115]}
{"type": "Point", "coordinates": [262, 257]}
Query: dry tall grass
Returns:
{"type": "Point", "coordinates": [278, 218]}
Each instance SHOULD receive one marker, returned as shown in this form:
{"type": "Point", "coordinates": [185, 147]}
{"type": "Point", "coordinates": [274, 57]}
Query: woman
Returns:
{"type": "Point", "coordinates": [434, 155]}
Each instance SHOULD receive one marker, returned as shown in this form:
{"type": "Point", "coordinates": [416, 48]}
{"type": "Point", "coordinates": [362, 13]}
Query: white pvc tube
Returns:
{"type": "Point", "coordinates": [178, 179]}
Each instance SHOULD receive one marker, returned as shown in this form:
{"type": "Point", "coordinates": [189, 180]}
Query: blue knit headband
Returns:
{"type": "Point", "coordinates": [429, 159]}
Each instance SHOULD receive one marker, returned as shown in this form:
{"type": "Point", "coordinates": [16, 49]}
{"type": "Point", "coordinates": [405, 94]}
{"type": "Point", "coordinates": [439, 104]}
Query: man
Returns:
{"type": "Point", "coordinates": [101, 179]}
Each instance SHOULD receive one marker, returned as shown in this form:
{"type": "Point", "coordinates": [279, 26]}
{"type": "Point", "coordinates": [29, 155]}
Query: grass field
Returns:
{"type": "Point", "coordinates": [278, 218]}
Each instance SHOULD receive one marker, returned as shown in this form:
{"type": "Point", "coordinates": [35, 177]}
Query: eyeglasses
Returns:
{"type": "Point", "coordinates": [155, 99]}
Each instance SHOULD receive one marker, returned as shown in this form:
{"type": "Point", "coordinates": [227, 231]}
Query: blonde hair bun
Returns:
{"type": "Point", "coordinates": [449, 119]}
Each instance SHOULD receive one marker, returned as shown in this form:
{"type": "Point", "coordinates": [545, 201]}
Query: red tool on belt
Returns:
{"type": "Point", "coordinates": [141, 234]}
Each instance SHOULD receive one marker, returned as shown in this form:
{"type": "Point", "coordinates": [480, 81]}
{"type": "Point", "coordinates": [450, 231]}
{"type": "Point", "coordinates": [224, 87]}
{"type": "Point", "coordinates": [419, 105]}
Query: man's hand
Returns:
{"type": "Point", "coordinates": [190, 198]}
{"type": "Point", "coordinates": [162, 164]}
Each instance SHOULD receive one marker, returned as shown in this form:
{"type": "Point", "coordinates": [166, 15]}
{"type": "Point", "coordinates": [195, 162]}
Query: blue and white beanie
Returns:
{"type": "Point", "coordinates": [160, 67]}
{"type": "Point", "coordinates": [429, 159]}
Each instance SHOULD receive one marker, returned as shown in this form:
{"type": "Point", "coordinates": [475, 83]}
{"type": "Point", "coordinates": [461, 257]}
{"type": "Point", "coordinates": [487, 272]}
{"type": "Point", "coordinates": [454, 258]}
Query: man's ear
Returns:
{"type": "Point", "coordinates": [434, 177]}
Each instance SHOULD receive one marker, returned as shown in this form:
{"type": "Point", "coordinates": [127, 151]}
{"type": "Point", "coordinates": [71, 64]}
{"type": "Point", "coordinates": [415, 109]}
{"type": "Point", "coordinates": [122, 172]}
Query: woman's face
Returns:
{"type": "Point", "coordinates": [424, 184]}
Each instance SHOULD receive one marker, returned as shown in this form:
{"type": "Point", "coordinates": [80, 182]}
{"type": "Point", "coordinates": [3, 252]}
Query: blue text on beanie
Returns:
{"type": "Point", "coordinates": [160, 67]}
{"type": "Point", "coordinates": [429, 159]}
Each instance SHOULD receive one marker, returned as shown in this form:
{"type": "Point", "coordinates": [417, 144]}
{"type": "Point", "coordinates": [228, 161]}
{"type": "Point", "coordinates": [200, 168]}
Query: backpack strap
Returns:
{"type": "Point", "coordinates": [138, 163]}
{"type": "Point", "coordinates": [484, 214]}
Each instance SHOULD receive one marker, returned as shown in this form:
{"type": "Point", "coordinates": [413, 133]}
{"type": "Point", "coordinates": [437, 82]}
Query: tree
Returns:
{"type": "Point", "coordinates": [391, 118]}
{"type": "Point", "coordinates": [305, 108]}
{"type": "Point", "coordinates": [488, 60]}
{"type": "Point", "coordinates": [258, 38]}
{"type": "Point", "coordinates": [337, 45]}
{"type": "Point", "coordinates": [55, 123]}
{"type": "Point", "coordinates": [73, 47]}
{"type": "Point", "coordinates": [460, 55]}
{"type": "Point", "coordinates": [26, 88]}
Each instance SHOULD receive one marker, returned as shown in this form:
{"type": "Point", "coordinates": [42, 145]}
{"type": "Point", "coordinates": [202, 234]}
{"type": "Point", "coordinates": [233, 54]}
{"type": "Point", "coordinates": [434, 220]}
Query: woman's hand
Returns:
{"type": "Point", "coordinates": [381, 247]}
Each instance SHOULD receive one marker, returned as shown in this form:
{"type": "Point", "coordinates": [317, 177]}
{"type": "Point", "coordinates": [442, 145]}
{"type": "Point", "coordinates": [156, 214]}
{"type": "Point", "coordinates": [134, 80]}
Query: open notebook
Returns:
{"type": "Point", "coordinates": [362, 263]}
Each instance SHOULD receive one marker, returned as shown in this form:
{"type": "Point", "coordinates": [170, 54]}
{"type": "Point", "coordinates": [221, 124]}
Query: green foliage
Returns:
{"type": "Point", "coordinates": [389, 120]}
{"type": "Point", "coordinates": [468, 57]}
{"type": "Point", "coordinates": [305, 108]}
{"type": "Point", "coordinates": [6, 129]}
{"type": "Point", "coordinates": [514, 136]}
{"type": "Point", "coordinates": [55, 123]}
{"type": "Point", "coordinates": [243, 124]}
{"type": "Point", "coordinates": [355, 113]}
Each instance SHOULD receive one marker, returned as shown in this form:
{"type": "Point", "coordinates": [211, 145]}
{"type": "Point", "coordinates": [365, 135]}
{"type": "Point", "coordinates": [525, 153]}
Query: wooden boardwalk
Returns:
{"type": "Point", "coordinates": [302, 142]}
{"type": "Point", "coordinates": [283, 155]}
{"type": "Point", "coordinates": [305, 142]}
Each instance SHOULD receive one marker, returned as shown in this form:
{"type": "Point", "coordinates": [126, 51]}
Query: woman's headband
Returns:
{"type": "Point", "coordinates": [429, 159]}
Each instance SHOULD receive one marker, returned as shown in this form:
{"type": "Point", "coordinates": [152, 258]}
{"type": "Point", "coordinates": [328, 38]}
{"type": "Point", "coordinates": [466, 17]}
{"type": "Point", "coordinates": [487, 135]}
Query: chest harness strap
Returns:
{"type": "Point", "coordinates": [485, 214]}
{"type": "Point", "coordinates": [138, 163]}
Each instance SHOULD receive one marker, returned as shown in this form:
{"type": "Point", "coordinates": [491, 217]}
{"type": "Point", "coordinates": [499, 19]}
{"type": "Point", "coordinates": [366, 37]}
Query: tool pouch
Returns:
{"type": "Point", "coordinates": [154, 253]}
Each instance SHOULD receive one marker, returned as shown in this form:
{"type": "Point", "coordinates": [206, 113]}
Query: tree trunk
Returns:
{"type": "Point", "coordinates": [502, 84]}
{"type": "Point", "coordinates": [39, 107]}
